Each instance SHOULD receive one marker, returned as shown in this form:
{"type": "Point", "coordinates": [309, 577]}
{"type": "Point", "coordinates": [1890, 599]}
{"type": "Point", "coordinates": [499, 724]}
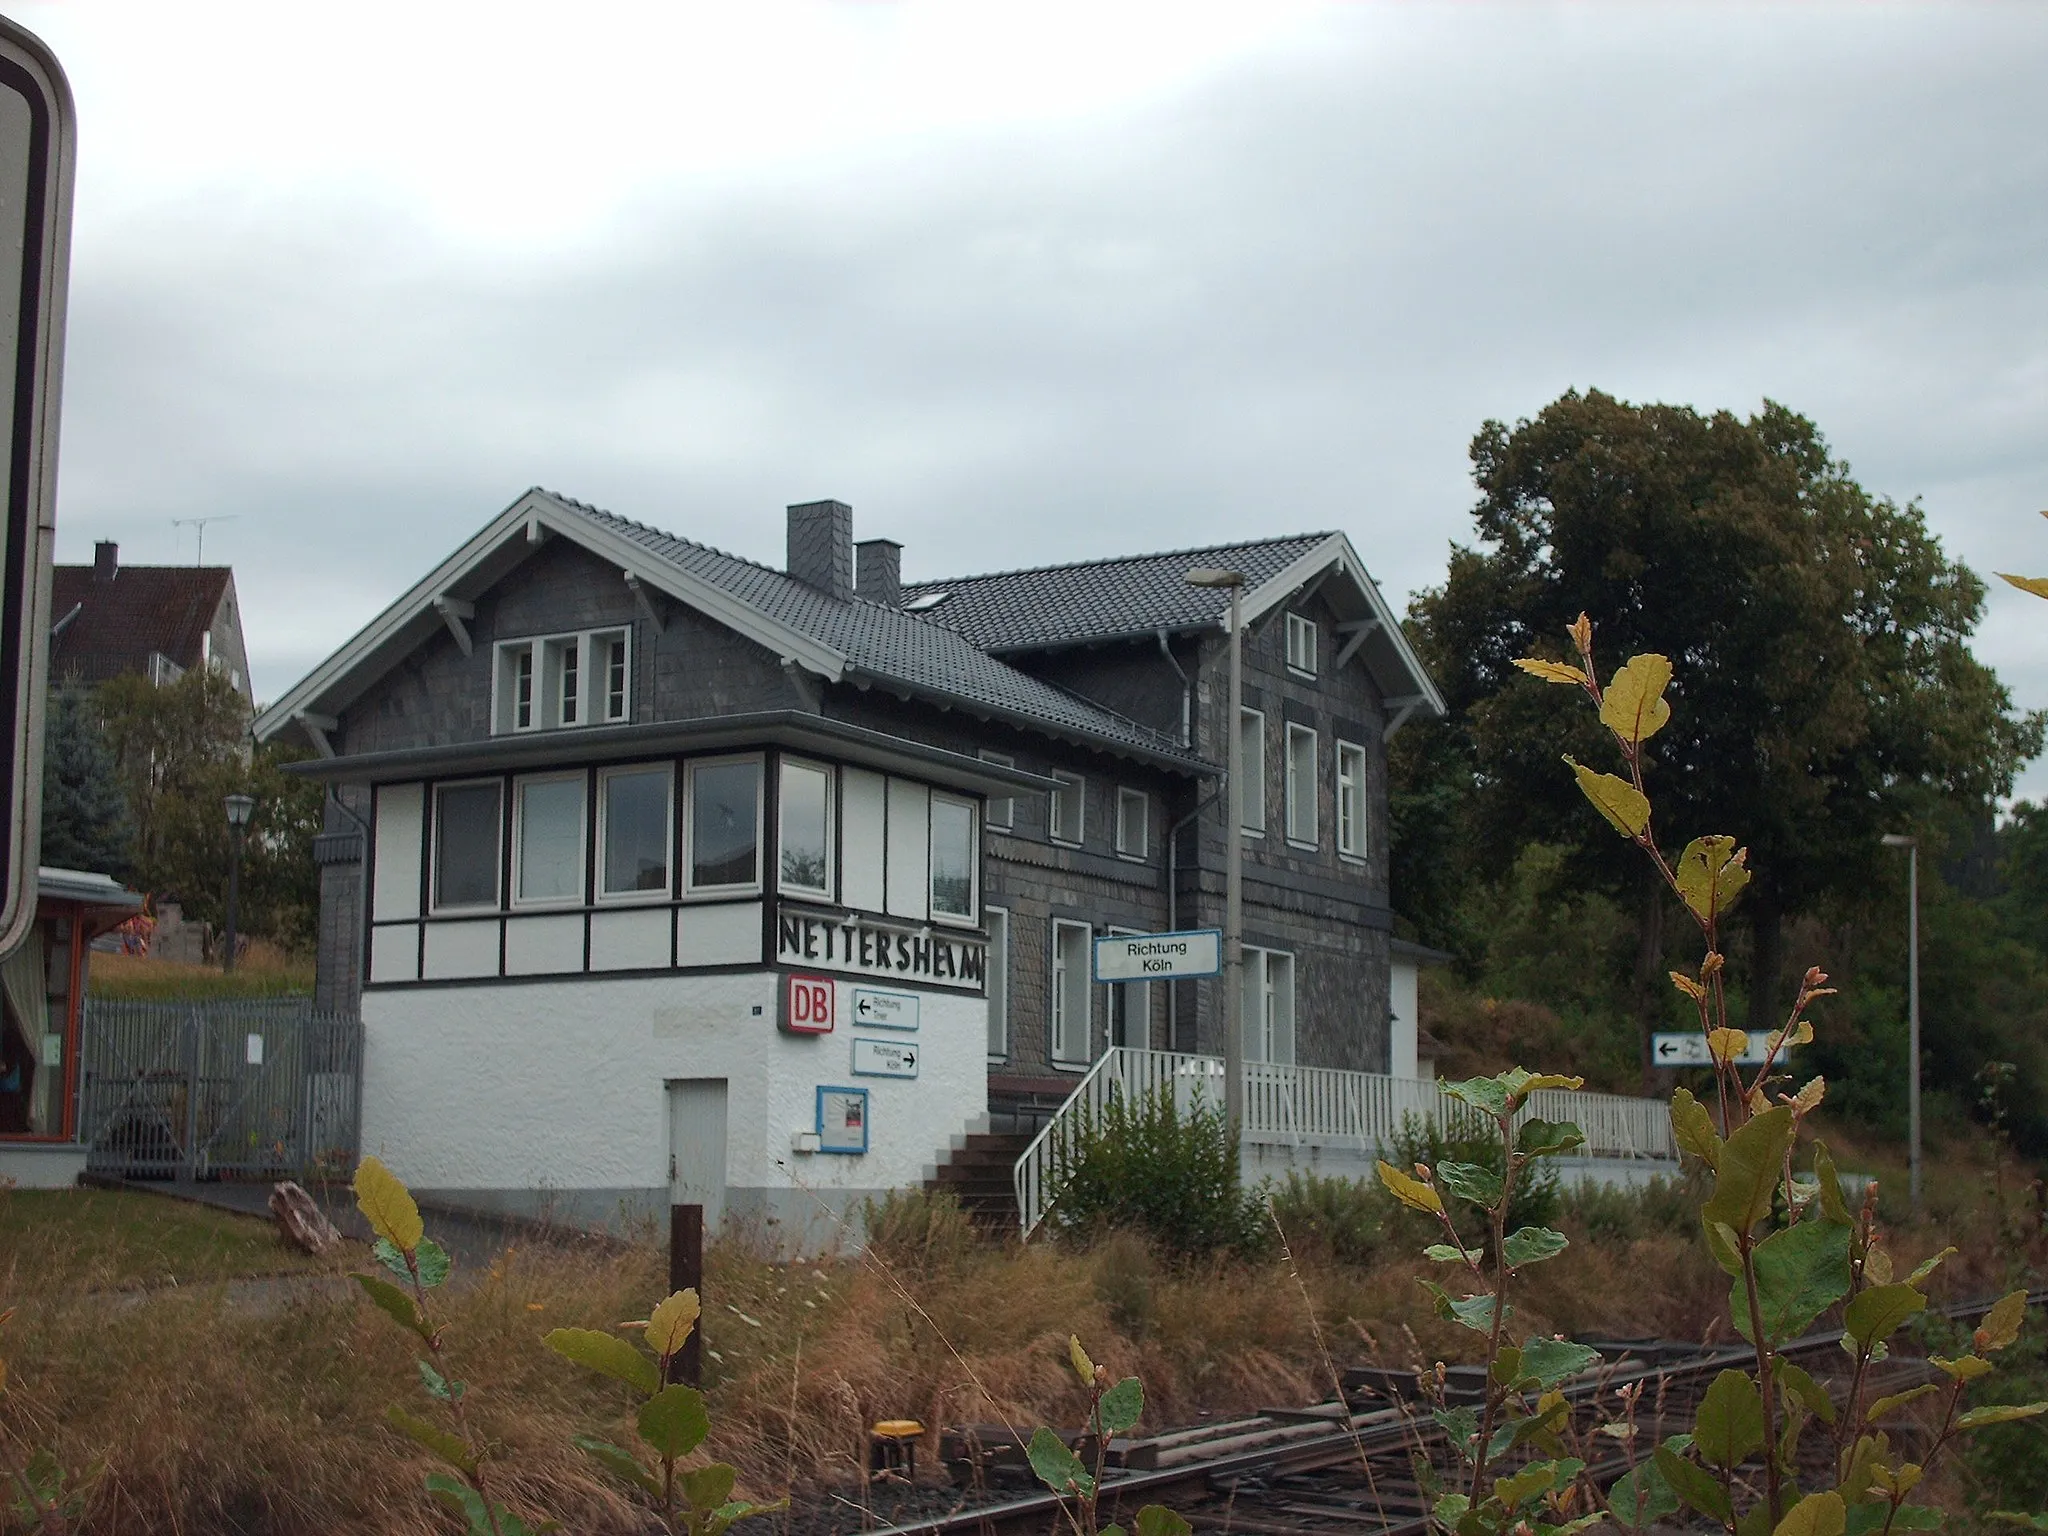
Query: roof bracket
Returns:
{"type": "Point", "coordinates": [1355, 636]}
{"type": "Point", "coordinates": [804, 684]}
{"type": "Point", "coordinates": [536, 530]}
{"type": "Point", "coordinates": [647, 604]}
{"type": "Point", "coordinates": [316, 728]}
{"type": "Point", "coordinates": [456, 613]}
{"type": "Point", "coordinates": [1403, 708]}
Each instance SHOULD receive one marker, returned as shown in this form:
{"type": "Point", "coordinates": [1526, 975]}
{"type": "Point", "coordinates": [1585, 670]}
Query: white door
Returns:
{"type": "Point", "coordinates": [696, 1146]}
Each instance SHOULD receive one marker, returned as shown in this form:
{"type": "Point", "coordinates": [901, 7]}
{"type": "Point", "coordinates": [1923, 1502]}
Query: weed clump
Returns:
{"type": "Point", "coordinates": [1341, 1221]}
{"type": "Point", "coordinates": [1151, 1167]}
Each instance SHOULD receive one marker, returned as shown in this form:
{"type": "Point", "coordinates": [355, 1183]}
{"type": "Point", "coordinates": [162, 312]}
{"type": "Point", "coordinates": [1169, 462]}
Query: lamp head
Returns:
{"type": "Point", "coordinates": [240, 809]}
{"type": "Point", "coordinates": [1896, 840]}
{"type": "Point", "coordinates": [1213, 576]}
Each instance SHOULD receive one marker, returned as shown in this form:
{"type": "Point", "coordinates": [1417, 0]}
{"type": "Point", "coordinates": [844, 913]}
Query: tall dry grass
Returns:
{"type": "Point", "coordinates": [257, 1407]}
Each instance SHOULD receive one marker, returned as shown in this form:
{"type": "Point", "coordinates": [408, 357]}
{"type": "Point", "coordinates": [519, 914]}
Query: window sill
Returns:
{"type": "Point", "coordinates": [1301, 672]}
{"type": "Point", "coordinates": [550, 904]}
{"type": "Point", "coordinates": [954, 920]}
{"type": "Point", "coordinates": [721, 893]}
{"type": "Point", "coordinates": [1304, 847]}
{"type": "Point", "coordinates": [1134, 858]}
{"type": "Point", "coordinates": [633, 898]}
{"type": "Point", "coordinates": [1356, 860]}
{"type": "Point", "coordinates": [1061, 842]}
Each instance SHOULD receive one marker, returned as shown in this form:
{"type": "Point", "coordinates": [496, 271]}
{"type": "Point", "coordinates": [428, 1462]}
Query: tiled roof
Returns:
{"type": "Point", "coordinates": [144, 608]}
{"type": "Point", "coordinates": [892, 646]}
{"type": "Point", "coordinates": [1098, 599]}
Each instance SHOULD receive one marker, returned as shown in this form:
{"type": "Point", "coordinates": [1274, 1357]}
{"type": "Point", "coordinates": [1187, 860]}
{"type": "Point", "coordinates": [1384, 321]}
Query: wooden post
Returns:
{"type": "Point", "coordinates": [686, 1273]}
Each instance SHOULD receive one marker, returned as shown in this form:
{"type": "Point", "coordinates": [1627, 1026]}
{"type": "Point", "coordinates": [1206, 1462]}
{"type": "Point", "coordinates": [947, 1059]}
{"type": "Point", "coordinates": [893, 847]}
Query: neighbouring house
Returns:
{"type": "Point", "coordinates": [159, 621]}
{"type": "Point", "coordinates": [42, 994]}
{"type": "Point", "coordinates": [659, 874]}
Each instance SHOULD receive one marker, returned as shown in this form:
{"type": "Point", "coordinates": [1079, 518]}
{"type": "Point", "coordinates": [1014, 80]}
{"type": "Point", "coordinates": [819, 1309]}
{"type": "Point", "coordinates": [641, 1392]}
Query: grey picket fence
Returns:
{"type": "Point", "coordinates": [256, 1088]}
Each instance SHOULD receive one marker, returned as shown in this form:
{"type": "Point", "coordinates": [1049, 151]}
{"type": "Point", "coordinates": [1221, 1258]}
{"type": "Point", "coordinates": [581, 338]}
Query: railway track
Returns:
{"type": "Point", "coordinates": [1346, 1466]}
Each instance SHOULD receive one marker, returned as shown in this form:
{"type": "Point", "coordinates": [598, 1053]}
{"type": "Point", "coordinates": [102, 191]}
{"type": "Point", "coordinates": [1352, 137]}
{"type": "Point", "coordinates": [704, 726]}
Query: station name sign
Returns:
{"type": "Point", "coordinates": [1159, 956]}
{"type": "Point", "coordinates": [858, 945]}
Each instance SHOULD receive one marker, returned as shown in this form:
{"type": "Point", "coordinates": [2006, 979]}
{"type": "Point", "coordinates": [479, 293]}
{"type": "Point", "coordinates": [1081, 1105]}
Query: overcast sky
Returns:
{"type": "Point", "coordinates": [1022, 284]}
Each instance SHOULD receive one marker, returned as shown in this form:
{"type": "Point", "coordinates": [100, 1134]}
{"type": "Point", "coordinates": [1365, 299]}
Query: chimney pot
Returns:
{"type": "Point", "coordinates": [821, 546]}
{"type": "Point", "coordinates": [106, 560]}
{"type": "Point", "coordinates": [878, 571]}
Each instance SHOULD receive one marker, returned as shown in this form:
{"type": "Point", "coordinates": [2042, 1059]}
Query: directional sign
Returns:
{"type": "Point", "coordinates": [1159, 956]}
{"type": "Point", "coordinates": [884, 1010]}
{"type": "Point", "coordinates": [1690, 1050]}
{"type": "Point", "coordinates": [884, 1058]}
{"type": "Point", "coordinates": [38, 146]}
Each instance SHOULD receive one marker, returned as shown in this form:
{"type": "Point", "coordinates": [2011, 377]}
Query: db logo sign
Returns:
{"type": "Point", "coordinates": [807, 1007]}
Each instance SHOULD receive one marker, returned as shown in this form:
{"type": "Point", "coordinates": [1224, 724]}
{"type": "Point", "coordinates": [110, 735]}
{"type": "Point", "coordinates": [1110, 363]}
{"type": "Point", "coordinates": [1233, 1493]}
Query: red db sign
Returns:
{"type": "Point", "coordinates": [807, 1006]}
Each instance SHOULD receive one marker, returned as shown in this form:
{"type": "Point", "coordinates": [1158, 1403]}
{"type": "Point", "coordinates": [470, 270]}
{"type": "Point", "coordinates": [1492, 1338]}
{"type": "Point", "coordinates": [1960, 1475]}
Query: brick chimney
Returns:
{"type": "Point", "coordinates": [878, 571]}
{"type": "Point", "coordinates": [821, 546]}
{"type": "Point", "coordinates": [106, 560]}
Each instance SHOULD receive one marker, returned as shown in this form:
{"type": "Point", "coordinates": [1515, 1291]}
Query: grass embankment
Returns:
{"type": "Point", "coordinates": [95, 1239]}
{"type": "Point", "coordinates": [264, 971]}
{"type": "Point", "coordinates": [211, 1414]}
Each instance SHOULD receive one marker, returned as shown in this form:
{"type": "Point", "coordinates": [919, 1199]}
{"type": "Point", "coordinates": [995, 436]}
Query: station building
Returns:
{"type": "Point", "coordinates": [659, 874]}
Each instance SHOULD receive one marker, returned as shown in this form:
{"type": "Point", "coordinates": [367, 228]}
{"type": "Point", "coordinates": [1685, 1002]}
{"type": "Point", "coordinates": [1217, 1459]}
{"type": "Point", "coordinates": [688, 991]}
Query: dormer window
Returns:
{"type": "Point", "coordinates": [558, 681]}
{"type": "Point", "coordinates": [1301, 645]}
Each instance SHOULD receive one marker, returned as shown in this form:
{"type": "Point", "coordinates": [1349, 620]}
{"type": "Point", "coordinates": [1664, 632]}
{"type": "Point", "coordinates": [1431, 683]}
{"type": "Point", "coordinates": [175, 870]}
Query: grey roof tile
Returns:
{"type": "Point", "coordinates": [894, 646]}
{"type": "Point", "coordinates": [1097, 599]}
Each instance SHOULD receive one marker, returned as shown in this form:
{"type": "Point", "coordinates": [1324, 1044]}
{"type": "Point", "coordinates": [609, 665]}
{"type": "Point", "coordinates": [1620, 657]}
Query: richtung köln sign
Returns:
{"type": "Point", "coordinates": [863, 947]}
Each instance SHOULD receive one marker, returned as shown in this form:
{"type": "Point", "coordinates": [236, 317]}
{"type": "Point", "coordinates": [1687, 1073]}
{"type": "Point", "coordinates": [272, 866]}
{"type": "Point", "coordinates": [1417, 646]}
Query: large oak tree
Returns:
{"type": "Point", "coordinates": [1824, 689]}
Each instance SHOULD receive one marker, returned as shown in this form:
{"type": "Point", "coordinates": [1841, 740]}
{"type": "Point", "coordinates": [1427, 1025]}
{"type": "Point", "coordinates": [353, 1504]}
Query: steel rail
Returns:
{"type": "Point", "coordinates": [1381, 1430]}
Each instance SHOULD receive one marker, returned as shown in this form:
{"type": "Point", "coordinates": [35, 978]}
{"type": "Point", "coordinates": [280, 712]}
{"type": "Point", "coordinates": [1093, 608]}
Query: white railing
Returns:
{"type": "Point", "coordinates": [1318, 1106]}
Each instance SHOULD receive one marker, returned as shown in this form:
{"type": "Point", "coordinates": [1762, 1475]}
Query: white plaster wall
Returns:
{"type": "Point", "coordinates": [1407, 1016]}
{"type": "Point", "coordinates": [558, 1085]}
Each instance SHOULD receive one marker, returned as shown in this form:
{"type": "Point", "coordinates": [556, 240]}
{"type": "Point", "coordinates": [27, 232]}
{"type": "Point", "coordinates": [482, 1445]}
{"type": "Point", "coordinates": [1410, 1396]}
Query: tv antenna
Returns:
{"type": "Point", "coordinates": [199, 558]}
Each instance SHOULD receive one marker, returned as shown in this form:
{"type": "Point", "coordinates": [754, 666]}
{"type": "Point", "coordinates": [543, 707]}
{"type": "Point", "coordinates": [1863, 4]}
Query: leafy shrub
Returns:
{"type": "Point", "coordinates": [1611, 1214]}
{"type": "Point", "coordinates": [1148, 1167]}
{"type": "Point", "coordinates": [918, 1229]}
{"type": "Point", "coordinates": [1536, 1197]}
{"type": "Point", "coordinates": [1124, 1269]}
{"type": "Point", "coordinates": [1344, 1220]}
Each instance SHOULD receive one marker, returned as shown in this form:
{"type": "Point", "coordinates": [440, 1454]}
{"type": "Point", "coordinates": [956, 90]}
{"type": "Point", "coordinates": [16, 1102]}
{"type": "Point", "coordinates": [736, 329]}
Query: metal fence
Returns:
{"type": "Point", "coordinates": [265, 1088]}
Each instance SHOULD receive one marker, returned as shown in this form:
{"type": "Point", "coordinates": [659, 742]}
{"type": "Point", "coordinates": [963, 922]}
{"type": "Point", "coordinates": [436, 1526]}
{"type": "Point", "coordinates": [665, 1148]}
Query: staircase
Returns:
{"type": "Point", "coordinates": [982, 1175]}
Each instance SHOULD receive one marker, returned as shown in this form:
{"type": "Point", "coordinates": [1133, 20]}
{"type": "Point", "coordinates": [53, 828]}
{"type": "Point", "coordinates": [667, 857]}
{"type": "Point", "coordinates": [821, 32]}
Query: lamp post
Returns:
{"type": "Point", "coordinates": [1912, 847]}
{"type": "Point", "coordinates": [240, 809]}
{"type": "Point", "coordinates": [1233, 852]}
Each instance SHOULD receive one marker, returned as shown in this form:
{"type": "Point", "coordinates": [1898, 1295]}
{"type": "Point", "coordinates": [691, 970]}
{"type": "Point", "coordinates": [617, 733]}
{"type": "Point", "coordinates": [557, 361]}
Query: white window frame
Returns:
{"type": "Point", "coordinates": [1058, 1025]}
{"type": "Point", "coordinates": [996, 981]}
{"type": "Point", "coordinates": [668, 834]}
{"type": "Point", "coordinates": [1004, 820]}
{"type": "Point", "coordinates": [1302, 641]}
{"type": "Point", "coordinates": [1054, 831]}
{"type": "Point", "coordinates": [1301, 794]}
{"type": "Point", "coordinates": [1261, 983]}
{"type": "Point", "coordinates": [519, 784]}
{"type": "Point", "coordinates": [1126, 798]}
{"type": "Point", "coordinates": [689, 813]}
{"type": "Point", "coordinates": [1353, 840]}
{"type": "Point", "coordinates": [1253, 766]}
{"type": "Point", "coordinates": [968, 918]}
{"type": "Point", "coordinates": [1132, 998]}
{"type": "Point", "coordinates": [497, 902]}
{"type": "Point", "coordinates": [807, 765]}
{"type": "Point", "coordinates": [544, 656]}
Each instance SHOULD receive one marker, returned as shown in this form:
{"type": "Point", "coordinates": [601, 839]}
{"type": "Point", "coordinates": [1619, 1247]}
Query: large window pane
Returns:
{"type": "Point", "coordinates": [1070, 1023]}
{"type": "Point", "coordinates": [952, 857]}
{"type": "Point", "coordinates": [550, 830]}
{"type": "Point", "coordinates": [636, 837]}
{"type": "Point", "coordinates": [466, 819]}
{"type": "Point", "coordinates": [804, 816]}
{"type": "Point", "coordinates": [725, 819]}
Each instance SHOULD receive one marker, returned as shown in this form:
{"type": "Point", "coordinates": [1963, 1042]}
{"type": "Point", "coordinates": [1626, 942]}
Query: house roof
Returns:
{"type": "Point", "coordinates": [1016, 612]}
{"type": "Point", "coordinates": [1056, 605]}
{"type": "Point", "coordinates": [107, 628]}
{"type": "Point", "coordinates": [840, 639]}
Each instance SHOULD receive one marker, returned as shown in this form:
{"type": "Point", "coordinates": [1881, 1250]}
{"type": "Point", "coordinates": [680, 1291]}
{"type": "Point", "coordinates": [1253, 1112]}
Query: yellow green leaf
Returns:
{"type": "Point", "coordinates": [2034, 584]}
{"type": "Point", "coordinates": [1626, 808]}
{"type": "Point", "coordinates": [1896, 1401]}
{"type": "Point", "coordinates": [2001, 1324]}
{"type": "Point", "coordinates": [1807, 1099]}
{"type": "Point", "coordinates": [1818, 1514]}
{"type": "Point", "coordinates": [1963, 1368]}
{"type": "Point", "coordinates": [1409, 1190]}
{"type": "Point", "coordinates": [1727, 1044]}
{"type": "Point", "coordinates": [2000, 1413]}
{"type": "Point", "coordinates": [1551, 671]}
{"type": "Point", "coordinates": [1633, 706]}
{"type": "Point", "coordinates": [670, 1323]}
{"type": "Point", "coordinates": [1711, 874]}
{"type": "Point", "coordinates": [1927, 1267]}
{"type": "Point", "coordinates": [1687, 985]}
{"type": "Point", "coordinates": [1083, 1366]}
{"type": "Point", "coordinates": [1694, 1127]}
{"type": "Point", "coordinates": [387, 1205]}
{"type": "Point", "coordinates": [1877, 1267]}
{"type": "Point", "coordinates": [1901, 1482]}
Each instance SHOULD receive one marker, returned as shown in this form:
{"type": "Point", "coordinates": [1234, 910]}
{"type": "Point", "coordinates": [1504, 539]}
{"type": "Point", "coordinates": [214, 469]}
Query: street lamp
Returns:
{"type": "Point", "coordinates": [240, 809]}
{"type": "Point", "coordinates": [1233, 853]}
{"type": "Point", "coordinates": [1912, 847]}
